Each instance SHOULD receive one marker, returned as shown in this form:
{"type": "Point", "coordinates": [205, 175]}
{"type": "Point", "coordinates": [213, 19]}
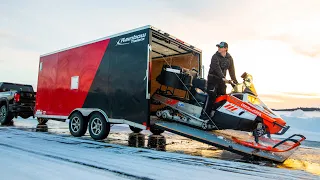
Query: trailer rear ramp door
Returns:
{"type": "Point", "coordinates": [210, 138]}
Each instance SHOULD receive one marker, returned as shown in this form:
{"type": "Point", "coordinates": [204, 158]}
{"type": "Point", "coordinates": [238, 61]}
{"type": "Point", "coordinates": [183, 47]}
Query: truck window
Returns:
{"type": "Point", "coordinates": [15, 87]}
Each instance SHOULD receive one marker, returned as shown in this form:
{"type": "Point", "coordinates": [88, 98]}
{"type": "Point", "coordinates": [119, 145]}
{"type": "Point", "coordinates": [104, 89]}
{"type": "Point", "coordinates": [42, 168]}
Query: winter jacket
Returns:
{"type": "Point", "coordinates": [219, 66]}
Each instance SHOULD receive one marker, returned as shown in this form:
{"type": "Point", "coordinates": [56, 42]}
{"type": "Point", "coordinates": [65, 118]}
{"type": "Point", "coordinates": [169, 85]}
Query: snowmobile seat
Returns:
{"type": "Point", "coordinates": [199, 95]}
{"type": "Point", "coordinates": [199, 83]}
{"type": "Point", "coordinates": [173, 76]}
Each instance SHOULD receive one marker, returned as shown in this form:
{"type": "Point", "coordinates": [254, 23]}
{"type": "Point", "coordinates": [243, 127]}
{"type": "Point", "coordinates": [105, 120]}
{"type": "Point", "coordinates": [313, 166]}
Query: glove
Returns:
{"type": "Point", "coordinates": [228, 81]}
{"type": "Point", "coordinates": [225, 80]}
{"type": "Point", "coordinates": [231, 82]}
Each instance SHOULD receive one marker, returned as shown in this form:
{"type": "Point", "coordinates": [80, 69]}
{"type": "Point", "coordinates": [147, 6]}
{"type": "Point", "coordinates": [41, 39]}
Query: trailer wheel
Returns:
{"type": "Point", "coordinates": [135, 130]}
{"type": "Point", "coordinates": [77, 124]}
{"type": "Point", "coordinates": [156, 131]}
{"type": "Point", "coordinates": [99, 128]}
{"type": "Point", "coordinates": [5, 116]}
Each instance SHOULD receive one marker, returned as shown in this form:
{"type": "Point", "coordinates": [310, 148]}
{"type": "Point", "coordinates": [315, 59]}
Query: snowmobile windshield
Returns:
{"type": "Point", "coordinates": [259, 104]}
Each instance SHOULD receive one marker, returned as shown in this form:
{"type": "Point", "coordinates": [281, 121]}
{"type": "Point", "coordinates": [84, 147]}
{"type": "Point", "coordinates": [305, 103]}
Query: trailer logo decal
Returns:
{"type": "Point", "coordinates": [131, 39]}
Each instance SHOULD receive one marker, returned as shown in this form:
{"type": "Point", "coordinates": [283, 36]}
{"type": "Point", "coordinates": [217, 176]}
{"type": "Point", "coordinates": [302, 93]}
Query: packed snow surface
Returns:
{"type": "Point", "coordinates": [55, 154]}
{"type": "Point", "coordinates": [30, 155]}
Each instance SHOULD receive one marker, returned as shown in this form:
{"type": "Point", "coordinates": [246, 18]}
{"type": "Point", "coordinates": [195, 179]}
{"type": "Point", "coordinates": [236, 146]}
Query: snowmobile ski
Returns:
{"type": "Point", "coordinates": [219, 141]}
{"type": "Point", "coordinates": [273, 145]}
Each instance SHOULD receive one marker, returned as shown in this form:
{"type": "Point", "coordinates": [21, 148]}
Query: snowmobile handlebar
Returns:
{"type": "Point", "coordinates": [231, 83]}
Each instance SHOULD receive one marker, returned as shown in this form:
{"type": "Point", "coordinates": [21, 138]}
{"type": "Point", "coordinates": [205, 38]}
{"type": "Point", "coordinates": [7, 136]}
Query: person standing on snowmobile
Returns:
{"type": "Point", "coordinates": [221, 61]}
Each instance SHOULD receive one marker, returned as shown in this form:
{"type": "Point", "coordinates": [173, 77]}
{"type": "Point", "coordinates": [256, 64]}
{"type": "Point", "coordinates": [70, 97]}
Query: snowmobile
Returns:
{"type": "Point", "coordinates": [240, 110]}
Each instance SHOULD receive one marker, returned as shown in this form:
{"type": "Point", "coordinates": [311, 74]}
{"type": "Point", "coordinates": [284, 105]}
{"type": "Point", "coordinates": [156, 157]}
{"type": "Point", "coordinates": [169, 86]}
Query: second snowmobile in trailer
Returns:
{"type": "Point", "coordinates": [240, 110]}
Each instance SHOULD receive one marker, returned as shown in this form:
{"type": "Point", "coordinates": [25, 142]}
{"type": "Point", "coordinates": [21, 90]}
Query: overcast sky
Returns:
{"type": "Point", "coordinates": [277, 41]}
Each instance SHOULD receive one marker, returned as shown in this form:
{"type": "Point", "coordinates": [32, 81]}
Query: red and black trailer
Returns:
{"type": "Point", "coordinates": [108, 80]}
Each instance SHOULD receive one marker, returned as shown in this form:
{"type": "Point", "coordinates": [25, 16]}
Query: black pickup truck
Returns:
{"type": "Point", "coordinates": [16, 100]}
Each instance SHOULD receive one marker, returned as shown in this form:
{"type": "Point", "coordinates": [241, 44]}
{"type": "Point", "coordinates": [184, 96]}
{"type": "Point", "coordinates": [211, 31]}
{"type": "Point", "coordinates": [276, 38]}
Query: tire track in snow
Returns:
{"type": "Point", "coordinates": [78, 162]}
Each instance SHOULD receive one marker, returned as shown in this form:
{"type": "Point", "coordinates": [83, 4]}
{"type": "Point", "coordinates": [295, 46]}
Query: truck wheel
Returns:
{"type": "Point", "coordinates": [156, 131]}
{"type": "Point", "coordinates": [135, 130]}
{"type": "Point", "coordinates": [77, 125]}
{"type": "Point", "coordinates": [99, 128]}
{"type": "Point", "coordinates": [42, 121]}
{"type": "Point", "coordinates": [5, 116]}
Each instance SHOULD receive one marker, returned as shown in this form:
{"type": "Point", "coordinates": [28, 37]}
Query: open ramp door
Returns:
{"type": "Point", "coordinates": [209, 137]}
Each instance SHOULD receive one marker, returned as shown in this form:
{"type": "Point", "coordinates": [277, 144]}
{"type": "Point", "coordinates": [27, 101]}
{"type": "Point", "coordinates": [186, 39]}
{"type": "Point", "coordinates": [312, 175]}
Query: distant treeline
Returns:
{"type": "Point", "coordinates": [302, 108]}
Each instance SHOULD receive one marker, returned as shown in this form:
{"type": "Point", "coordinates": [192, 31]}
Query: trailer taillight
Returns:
{"type": "Point", "coordinates": [16, 97]}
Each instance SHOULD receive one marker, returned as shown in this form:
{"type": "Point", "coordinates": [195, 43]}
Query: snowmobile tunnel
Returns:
{"type": "Point", "coordinates": [220, 142]}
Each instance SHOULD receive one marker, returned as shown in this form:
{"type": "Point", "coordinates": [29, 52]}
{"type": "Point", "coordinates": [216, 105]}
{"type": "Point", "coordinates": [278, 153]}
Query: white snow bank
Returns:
{"type": "Point", "coordinates": [300, 122]}
{"type": "Point", "coordinates": [299, 113]}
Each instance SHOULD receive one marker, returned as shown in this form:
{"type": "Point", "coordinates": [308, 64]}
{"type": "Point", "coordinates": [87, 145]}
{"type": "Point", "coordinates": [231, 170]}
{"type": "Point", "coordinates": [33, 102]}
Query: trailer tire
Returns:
{"type": "Point", "coordinates": [77, 125]}
{"type": "Point", "coordinates": [156, 131]}
{"type": "Point", "coordinates": [99, 128]}
{"type": "Point", "coordinates": [5, 116]}
{"type": "Point", "coordinates": [135, 130]}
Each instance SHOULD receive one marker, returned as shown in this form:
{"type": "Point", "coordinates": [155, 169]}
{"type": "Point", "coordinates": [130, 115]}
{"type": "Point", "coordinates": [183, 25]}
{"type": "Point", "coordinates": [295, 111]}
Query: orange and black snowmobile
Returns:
{"type": "Point", "coordinates": [240, 110]}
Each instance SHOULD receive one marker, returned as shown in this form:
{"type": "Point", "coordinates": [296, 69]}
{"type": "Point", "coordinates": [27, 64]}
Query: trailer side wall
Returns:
{"type": "Point", "coordinates": [111, 76]}
{"type": "Point", "coordinates": [119, 87]}
{"type": "Point", "coordinates": [54, 93]}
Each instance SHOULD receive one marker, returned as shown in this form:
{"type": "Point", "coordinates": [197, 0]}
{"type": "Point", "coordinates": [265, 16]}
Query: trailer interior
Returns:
{"type": "Point", "coordinates": [174, 52]}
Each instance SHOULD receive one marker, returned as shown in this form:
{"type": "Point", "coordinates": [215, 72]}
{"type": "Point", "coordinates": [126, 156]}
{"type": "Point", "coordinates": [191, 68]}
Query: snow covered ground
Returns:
{"type": "Point", "coordinates": [30, 155]}
{"type": "Point", "coordinates": [26, 154]}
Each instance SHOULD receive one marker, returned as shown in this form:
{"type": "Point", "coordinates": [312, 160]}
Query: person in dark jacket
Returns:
{"type": "Point", "coordinates": [221, 61]}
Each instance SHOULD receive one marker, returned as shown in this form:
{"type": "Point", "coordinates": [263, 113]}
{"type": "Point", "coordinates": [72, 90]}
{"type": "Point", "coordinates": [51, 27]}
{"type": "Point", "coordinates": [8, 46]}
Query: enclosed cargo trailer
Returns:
{"type": "Point", "coordinates": [109, 80]}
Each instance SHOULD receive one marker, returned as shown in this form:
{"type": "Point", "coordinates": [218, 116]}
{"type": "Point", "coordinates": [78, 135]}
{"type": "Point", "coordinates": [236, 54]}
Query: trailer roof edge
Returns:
{"type": "Point", "coordinates": [175, 38]}
{"type": "Point", "coordinates": [97, 40]}
{"type": "Point", "coordinates": [115, 35]}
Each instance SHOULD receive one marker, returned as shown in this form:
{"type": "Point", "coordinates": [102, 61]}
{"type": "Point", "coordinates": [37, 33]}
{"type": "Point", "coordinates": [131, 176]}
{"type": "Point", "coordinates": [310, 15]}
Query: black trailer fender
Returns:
{"type": "Point", "coordinates": [86, 112]}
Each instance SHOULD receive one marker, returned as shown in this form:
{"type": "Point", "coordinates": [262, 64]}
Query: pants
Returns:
{"type": "Point", "coordinates": [219, 88]}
